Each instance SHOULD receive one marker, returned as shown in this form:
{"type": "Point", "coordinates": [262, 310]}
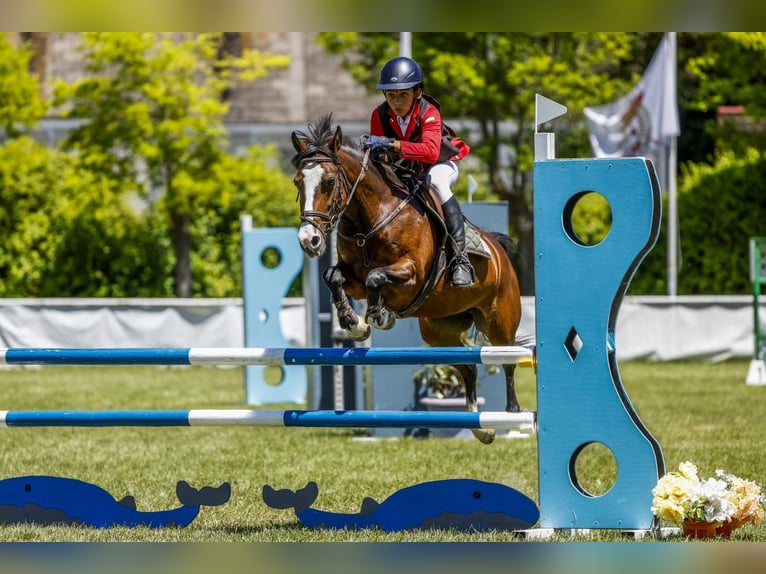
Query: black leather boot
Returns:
{"type": "Point", "coordinates": [461, 271]}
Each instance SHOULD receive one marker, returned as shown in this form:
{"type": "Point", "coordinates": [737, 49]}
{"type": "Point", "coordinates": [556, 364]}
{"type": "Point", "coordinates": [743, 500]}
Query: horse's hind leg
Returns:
{"type": "Point", "coordinates": [500, 329]}
{"type": "Point", "coordinates": [511, 401]}
{"type": "Point", "coordinates": [446, 332]}
{"type": "Point", "coordinates": [470, 379]}
{"type": "Point", "coordinates": [356, 327]}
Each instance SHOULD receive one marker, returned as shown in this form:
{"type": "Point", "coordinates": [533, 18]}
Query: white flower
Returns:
{"type": "Point", "coordinates": [711, 496]}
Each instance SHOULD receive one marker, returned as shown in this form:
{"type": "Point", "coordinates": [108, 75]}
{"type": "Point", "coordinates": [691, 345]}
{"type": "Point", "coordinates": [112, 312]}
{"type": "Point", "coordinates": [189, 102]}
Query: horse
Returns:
{"type": "Point", "coordinates": [390, 253]}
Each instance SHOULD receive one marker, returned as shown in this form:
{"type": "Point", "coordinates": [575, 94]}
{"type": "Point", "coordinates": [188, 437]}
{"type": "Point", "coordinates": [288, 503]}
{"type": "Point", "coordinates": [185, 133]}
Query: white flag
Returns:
{"type": "Point", "coordinates": [639, 123]}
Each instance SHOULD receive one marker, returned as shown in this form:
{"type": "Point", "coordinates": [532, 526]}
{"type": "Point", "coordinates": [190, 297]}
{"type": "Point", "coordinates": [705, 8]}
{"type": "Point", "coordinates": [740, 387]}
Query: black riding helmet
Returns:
{"type": "Point", "coordinates": [399, 74]}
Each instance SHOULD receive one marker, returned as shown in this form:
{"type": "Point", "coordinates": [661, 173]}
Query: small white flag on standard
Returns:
{"type": "Point", "coordinates": [639, 123]}
{"type": "Point", "coordinates": [546, 110]}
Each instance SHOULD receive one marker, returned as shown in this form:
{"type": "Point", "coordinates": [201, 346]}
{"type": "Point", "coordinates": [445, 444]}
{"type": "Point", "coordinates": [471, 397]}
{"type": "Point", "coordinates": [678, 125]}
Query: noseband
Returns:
{"type": "Point", "coordinates": [337, 205]}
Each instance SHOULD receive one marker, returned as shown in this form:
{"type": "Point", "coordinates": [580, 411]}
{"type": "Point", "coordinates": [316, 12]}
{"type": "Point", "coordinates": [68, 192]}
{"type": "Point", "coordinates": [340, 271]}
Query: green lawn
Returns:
{"type": "Point", "coordinates": [698, 411]}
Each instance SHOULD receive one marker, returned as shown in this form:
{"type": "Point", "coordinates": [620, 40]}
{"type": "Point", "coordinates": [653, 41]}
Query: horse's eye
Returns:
{"type": "Point", "coordinates": [329, 183]}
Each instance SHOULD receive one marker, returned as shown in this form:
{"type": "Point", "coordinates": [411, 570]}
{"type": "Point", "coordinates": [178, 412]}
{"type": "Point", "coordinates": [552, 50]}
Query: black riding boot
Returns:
{"type": "Point", "coordinates": [461, 272]}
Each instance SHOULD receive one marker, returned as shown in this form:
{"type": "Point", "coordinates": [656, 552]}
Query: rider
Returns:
{"type": "Point", "coordinates": [409, 123]}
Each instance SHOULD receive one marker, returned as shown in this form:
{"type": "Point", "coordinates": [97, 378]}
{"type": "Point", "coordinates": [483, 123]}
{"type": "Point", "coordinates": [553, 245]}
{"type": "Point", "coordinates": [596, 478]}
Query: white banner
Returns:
{"type": "Point", "coordinates": [170, 322]}
{"type": "Point", "coordinates": [639, 123]}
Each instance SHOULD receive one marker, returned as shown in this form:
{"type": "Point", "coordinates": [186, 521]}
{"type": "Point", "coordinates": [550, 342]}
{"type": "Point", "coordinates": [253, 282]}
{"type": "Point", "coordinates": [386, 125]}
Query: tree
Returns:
{"type": "Point", "coordinates": [66, 233]}
{"type": "Point", "coordinates": [20, 103]}
{"type": "Point", "coordinates": [252, 184]}
{"type": "Point", "coordinates": [727, 68]}
{"type": "Point", "coordinates": [493, 78]}
{"type": "Point", "coordinates": [153, 107]}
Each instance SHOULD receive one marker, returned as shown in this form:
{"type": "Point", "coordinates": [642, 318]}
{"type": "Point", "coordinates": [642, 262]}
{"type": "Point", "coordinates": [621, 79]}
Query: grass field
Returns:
{"type": "Point", "coordinates": [698, 411]}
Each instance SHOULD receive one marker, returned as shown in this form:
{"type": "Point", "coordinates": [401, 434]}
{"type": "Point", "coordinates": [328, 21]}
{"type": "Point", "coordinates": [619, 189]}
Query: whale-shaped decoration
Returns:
{"type": "Point", "coordinates": [461, 504]}
{"type": "Point", "coordinates": [58, 500]}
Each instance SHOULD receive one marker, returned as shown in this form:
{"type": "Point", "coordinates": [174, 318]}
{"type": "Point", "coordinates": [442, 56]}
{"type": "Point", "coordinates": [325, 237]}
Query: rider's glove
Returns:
{"type": "Point", "coordinates": [379, 144]}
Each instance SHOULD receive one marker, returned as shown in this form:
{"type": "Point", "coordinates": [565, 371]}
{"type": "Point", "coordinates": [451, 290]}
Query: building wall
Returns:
{"type": "Point", "coordinates": [314, 83]}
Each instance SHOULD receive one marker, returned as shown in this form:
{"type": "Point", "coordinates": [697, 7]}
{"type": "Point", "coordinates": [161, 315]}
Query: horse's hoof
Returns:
{"type": "Point", "coordinates": [383, 321]}
{"type": "Point", "coordinates": [360, 335]}
{"type": "Point", "coordinates": [485, 436]}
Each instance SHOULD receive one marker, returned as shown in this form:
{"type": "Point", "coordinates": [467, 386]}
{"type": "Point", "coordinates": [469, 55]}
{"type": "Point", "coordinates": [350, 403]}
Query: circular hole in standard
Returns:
{"type": "Point", "coordinates": [273, 375]}
{"type": "Point", "coordinates": [593, 469]}
{"type": "Point", "coordinates": [271, 257]}
{"type": "Point", "coordinates": [587, 218]}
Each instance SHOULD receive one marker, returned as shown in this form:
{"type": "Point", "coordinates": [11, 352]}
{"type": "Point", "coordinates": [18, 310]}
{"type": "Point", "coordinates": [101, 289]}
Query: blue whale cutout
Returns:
{"type": "Point", "coordinates": [462, 504]}
{"type": "Point", "coordinates": [57, 500]}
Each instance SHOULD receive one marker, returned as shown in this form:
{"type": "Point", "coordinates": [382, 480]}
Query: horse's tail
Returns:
{"type": "Point", "coordinates": [505, 241]}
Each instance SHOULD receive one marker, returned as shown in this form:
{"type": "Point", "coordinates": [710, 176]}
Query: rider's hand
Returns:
{"type": "Point", "coordinates": [379, 144]}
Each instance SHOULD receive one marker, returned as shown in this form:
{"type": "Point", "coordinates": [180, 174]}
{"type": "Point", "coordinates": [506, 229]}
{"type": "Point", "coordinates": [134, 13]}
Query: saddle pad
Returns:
{"type": "Point", "coordinates": [475, 244]}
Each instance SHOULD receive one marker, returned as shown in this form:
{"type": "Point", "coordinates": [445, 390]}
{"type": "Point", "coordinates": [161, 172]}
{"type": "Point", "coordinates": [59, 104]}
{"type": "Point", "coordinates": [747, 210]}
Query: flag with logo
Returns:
{"type": "Point", "coordinates": [640, 123]}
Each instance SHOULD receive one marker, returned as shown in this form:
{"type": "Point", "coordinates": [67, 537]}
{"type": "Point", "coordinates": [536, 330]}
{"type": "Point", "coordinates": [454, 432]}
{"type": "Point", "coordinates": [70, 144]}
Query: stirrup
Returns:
{"type": "Point", "coordinates": [461, 263]}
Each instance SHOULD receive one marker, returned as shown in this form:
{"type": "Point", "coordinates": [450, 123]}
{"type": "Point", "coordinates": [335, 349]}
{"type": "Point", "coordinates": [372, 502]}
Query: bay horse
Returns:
{"type": "Point", "coordinates": [390, 253]}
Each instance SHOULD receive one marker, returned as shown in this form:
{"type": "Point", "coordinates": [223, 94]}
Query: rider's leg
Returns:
{"type": "Point", "coordinates": [443, 175]}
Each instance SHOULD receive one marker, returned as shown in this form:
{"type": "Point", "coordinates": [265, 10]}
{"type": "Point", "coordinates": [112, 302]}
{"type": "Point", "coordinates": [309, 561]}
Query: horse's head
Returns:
{"type": "Point", "coordinates": [322, 184]}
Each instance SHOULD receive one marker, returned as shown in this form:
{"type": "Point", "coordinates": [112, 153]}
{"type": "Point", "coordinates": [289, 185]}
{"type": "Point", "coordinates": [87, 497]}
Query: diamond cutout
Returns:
{"type": "Point", "coordinates": [573, 343]}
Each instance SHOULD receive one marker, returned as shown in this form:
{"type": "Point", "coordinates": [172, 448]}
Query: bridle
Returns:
{"type": "Point", "coordinates": [337, 206]}
{"type": "Point", "coordinates": [314, 154]}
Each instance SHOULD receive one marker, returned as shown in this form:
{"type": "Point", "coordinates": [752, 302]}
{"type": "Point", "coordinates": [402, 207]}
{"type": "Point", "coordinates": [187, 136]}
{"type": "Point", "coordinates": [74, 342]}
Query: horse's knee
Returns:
{"type": "Point", "coordinates": [376, 279]}
{"type": "Point", "coordinates": [333, 277]}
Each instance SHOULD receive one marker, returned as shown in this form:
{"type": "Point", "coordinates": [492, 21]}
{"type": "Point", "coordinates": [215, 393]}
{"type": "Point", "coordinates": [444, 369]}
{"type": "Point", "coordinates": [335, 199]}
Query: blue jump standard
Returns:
{"type": "Point", "coordinates": [268, 356]}
{"type": "Point", "coordinates": [278, 418]}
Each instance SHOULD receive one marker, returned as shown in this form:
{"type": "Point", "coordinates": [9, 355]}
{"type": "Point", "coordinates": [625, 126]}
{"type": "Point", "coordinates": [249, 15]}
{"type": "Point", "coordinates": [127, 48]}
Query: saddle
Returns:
{"type": "Point", "coordinates": [474, 242]}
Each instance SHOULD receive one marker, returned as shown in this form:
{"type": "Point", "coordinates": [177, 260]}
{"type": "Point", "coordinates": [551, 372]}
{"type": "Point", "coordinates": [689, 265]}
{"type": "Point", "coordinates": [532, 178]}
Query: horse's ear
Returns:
{"type": "Point", "coordinates": [337, 139]}
{"type": "Point", "coordinates": [298, 143]}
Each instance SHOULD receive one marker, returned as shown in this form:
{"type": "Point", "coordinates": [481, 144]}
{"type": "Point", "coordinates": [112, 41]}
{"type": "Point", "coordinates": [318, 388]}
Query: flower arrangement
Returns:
{"type": "Point", "coordinates": [444, 381]}
{"type": "Point", "coordinates": [724, 499]}
{"type": "Point", "coordinates": [441, 381]}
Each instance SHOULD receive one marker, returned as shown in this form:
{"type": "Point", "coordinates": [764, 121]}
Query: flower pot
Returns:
{"type": "Point", "coordinates": [726, 528]}
{"type": "Point", "coordinates": [694, 529]}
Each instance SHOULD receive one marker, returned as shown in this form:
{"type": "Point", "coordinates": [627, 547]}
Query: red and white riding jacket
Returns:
{"type": "Point", "coordinates": [427, 139]}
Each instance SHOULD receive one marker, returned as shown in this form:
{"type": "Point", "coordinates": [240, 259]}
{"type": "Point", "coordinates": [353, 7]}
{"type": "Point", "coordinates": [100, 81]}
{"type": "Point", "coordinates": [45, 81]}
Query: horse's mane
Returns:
{"type": "Point", "coordinates": [318, 137]}
{"type": "Point", "coordinates": [319, 133]}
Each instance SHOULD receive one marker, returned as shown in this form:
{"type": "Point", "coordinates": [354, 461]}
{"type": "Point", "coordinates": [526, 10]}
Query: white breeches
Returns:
{"type": "Point", "coordinates": [443, 177]}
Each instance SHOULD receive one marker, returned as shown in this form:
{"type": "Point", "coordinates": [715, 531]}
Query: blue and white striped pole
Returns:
{"type": "Point", "coordinates": [523, 421]}
{"type": "Point", "coordinates": [523, 356]}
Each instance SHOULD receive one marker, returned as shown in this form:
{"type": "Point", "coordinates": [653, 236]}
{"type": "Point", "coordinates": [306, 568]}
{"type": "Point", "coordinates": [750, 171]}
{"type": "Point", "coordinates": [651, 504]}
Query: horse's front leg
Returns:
{"type": "Point", "coordinates": [356, 327]}
{"type": "Point", "coordinates": [378, 313]}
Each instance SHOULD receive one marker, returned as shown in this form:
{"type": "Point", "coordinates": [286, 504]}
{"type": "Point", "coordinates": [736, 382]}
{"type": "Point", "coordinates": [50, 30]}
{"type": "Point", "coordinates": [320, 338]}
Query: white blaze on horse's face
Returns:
{"type": "Point", "coordinates": [312, 240]}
